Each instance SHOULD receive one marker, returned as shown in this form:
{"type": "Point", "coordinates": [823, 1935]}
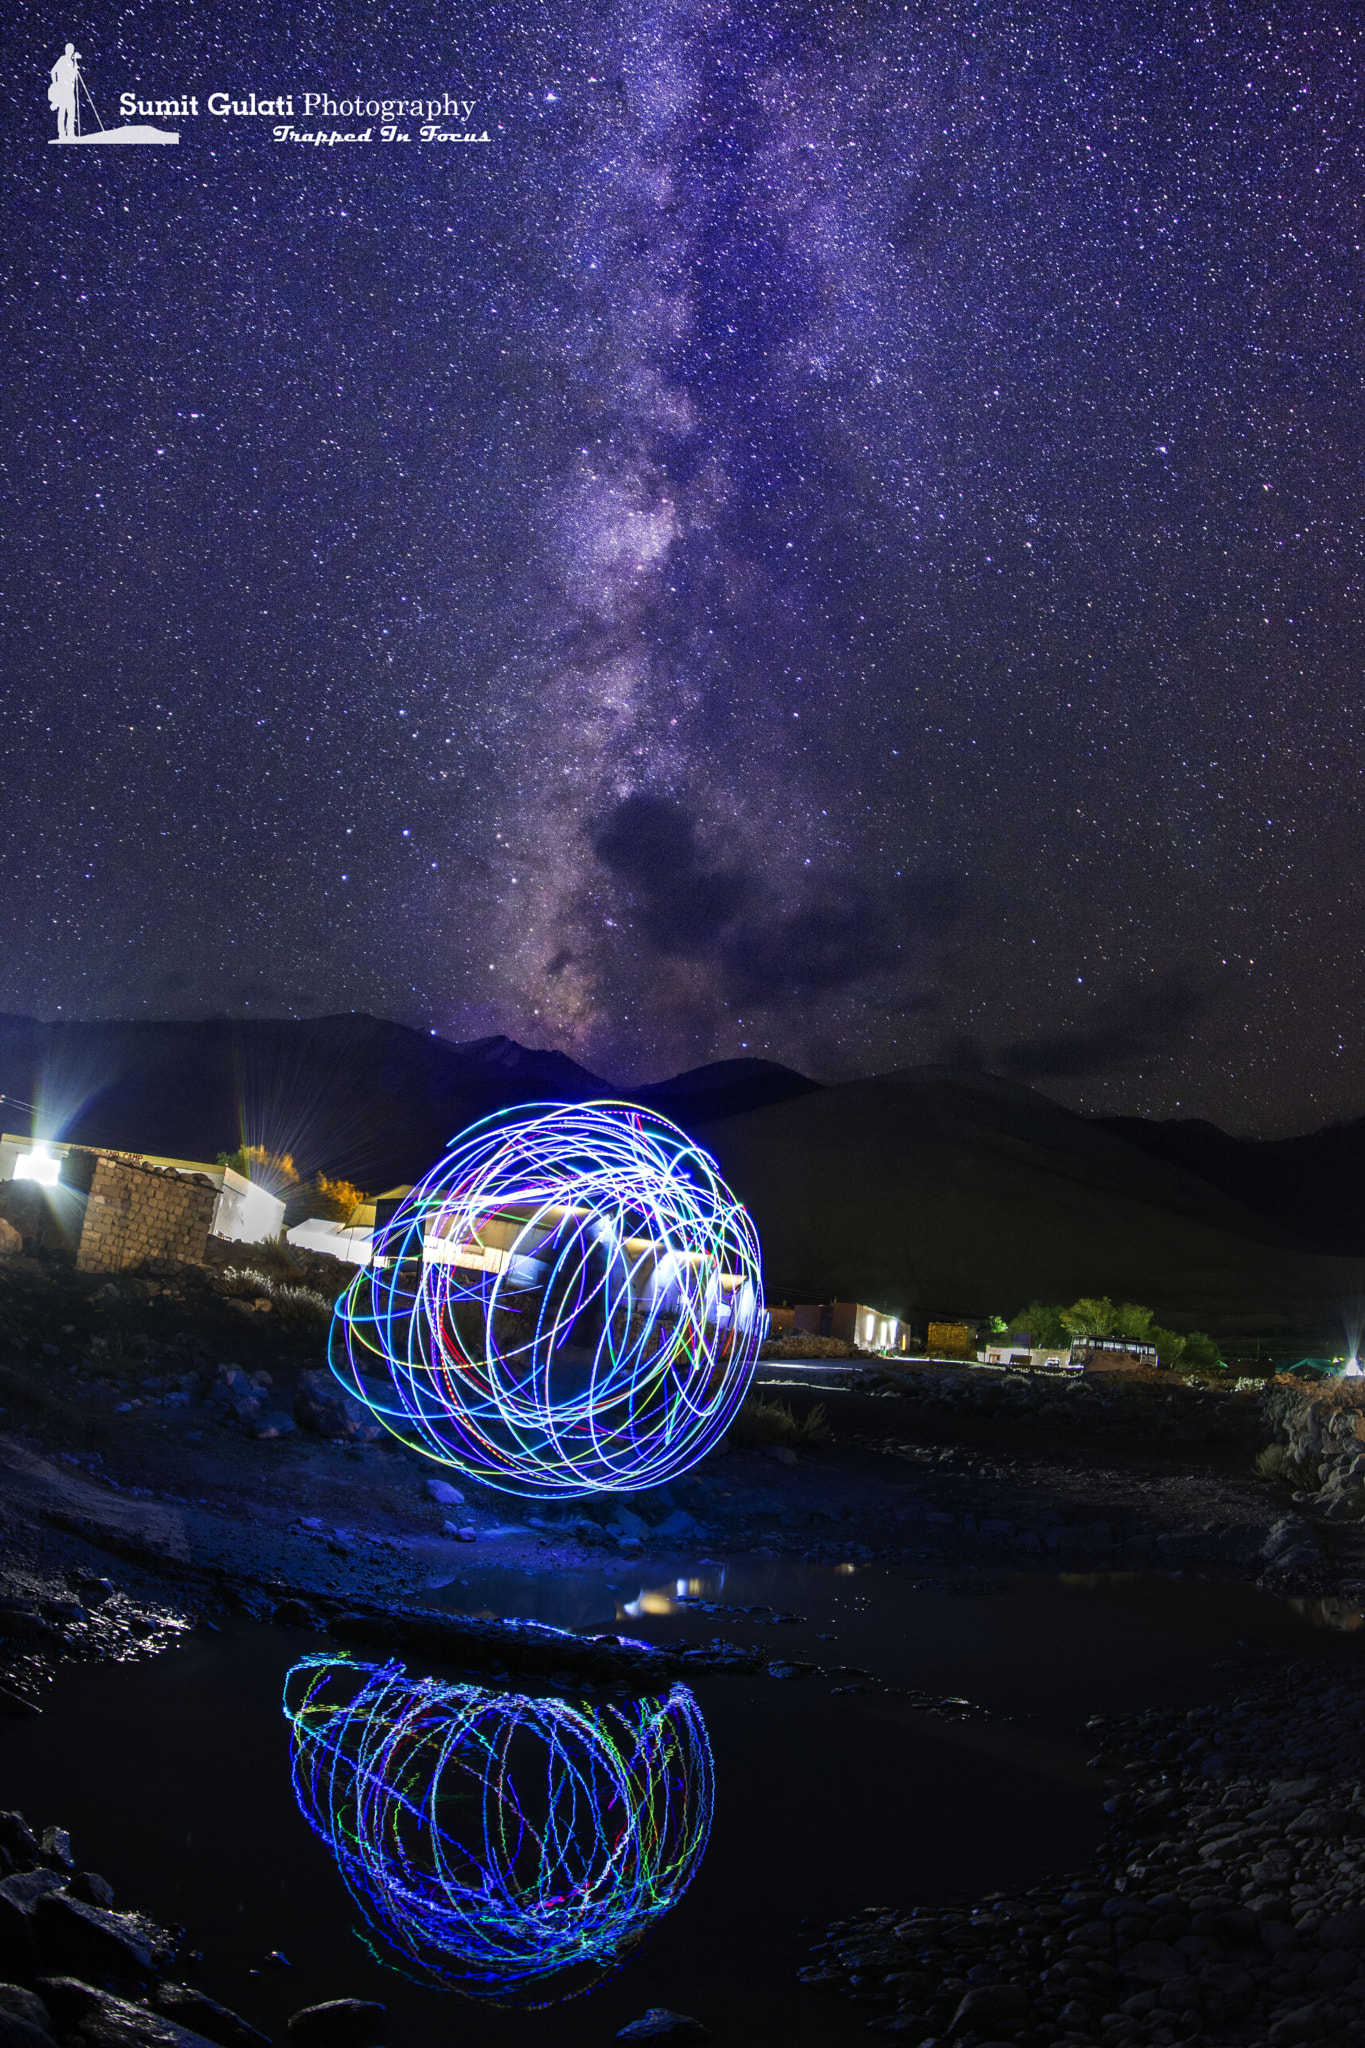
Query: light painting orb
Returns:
{"type": "Point", "coordinates": [517, 1849]}
{"type": "Point", "coordinates": [570, 1303]}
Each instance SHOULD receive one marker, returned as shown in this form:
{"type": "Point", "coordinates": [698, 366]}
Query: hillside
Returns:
{"type": "Point", "coordinates": [1312, 1186]}
{"type": "Point", "coordinates": [936, 1191]}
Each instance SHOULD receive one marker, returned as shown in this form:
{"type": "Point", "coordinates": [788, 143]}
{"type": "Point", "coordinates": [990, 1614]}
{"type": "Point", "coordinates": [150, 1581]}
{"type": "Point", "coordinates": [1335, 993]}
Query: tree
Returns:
{"type": "Point", "coordinates": [1134, 1322]}
{"type": "Point", "coordinates": [1170, 1347]}
{"type": "Point", "coordinates": [1091, 1316]}
{"type": "Point", "coordinates": [1042, 1322]}
{"type": "Point", "coordinates": [1201, 1353]}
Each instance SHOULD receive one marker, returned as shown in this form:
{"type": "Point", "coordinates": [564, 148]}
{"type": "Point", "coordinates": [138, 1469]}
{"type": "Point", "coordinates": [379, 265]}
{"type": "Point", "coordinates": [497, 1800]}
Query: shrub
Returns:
{"type": "Point", "coordinates": [246, 1283]}
{"type": "Point", "coordinates": [772, 1422]}
{"type": "Point", "coordinates": [1277, 1461]}
{"type": "Point", "coordinates": [301, 1305]}
{"type": "Point", "coordinates": [1201, 1356]}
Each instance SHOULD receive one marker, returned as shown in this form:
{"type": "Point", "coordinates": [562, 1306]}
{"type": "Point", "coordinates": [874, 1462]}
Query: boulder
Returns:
{"type": "Point", "coordinates": [196, 2010]}
{"type": "Point", "coordinates": [92, 1888]}
{"type": "Point", "coordinates": [986, 2005]}
{"type": "Point", "coordinates": [444, 1494]}
{"type": "Point", "coordinates": [1291, 1542]}
{"type": "Point", "coordinates": [1343, 1930]}
{"type": "Point", "coordinates": [1153, 1962]}
{"type": "Point", "coordinates": [337, 2023]}
{"type": "Point", "coordinates": [73, 1936]}
{"type": "Point", "coordinates": [324, 1410]}
{"type": "Point", "coordinates": [92, 2018]}
{"type": "Point", "coordinates": [11, 1243]}
{"type": "Point", "coordinates": [21, 2033]}
{"type": "Point", "coordinates": [19, 2004]}
{"type": "Point", "coordinates": [234, 1392]}
{"type": "Point", "coordinates": [659, 2024]}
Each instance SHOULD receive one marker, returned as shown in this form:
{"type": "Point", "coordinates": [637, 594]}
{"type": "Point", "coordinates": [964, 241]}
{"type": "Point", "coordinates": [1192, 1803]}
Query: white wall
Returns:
{"type": "Point", "coordinates": [246, 1212]}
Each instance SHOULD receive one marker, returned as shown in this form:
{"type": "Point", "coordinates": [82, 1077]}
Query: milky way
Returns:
{"type": "Point", "coordinates": [835, 535]}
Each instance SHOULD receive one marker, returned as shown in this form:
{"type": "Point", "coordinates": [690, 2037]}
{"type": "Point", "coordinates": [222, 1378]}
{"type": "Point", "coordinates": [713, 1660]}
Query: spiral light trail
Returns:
{"type": "Point", "coordinates": [515, 1848]}
{"type": "Point", "coordinates": [569, 1303]}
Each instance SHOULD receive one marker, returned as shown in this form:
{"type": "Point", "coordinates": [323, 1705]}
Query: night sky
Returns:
{"type": "Point", "coordinates": [835, 535]}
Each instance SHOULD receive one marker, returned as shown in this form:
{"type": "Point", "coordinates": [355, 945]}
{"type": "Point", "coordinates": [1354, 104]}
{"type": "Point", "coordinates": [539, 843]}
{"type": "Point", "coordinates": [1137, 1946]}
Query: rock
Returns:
{"type": "Point", "coordinates": [291, 1614]}
{"type": "Point", "coordinates": [11, 1243]}
{"type": "Point", "coordinates": [1343, 1930]}
{"type": "Point", "coordinates": [985, 2005]}
{"type": "Point", "coordinates": [73, 1936]}
{"type": "Point", "coordinates": [338, 2023]}
{"type": "Point", "coordinates": [56, 1849]}
{"type": "Point", "coordinates": [781, 1454]}
{"type": "Point", "coordinates": [324, 1410]}
{"type": "Point", "coordinates": [1323, 1823]}
{"type": "Point", "coordinates": [234, 1392]}
{"type": "Point", "coordinates": [1152, 1962]}
{"type": "Point", "coordinates": [679, 1523]}
{"type": "Point", "coordinates": [462, 1533]}
{"type": "Point", "coordinates": [274, 1423]}
{"type": "Point", "coordinates": [444, 1494]}
{"type": "Point", "coordinates": [26, 1887]}
{"type": "Point", "coordinates": [16, 2032]}
{"type": "Point", "coordinates": [94, 2018]}
{"type": "Point", "coordinates": [625, 1522]}
{"type": "Point", "coordinates": [659, 2024]}
{"type": "Point", "coordinates": [25, 2005]}
{"type": "Point", "coordinates": [195, 2009]}
{"type": "Point", "coordinates": [1291, 1542]}
{"type": "Point", "coordinates": [1303, 2024]}
{"type": "Point", "coordinates": [94, 1592]}
{"type": "Point", "coordinates": [92, 1888]}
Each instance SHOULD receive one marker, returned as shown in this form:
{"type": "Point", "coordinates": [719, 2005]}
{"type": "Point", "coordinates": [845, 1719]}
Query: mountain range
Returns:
{"type": "Point", "coordinates": [932, 1190]}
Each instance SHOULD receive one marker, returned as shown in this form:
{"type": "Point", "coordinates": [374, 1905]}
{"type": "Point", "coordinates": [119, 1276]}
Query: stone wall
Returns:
{"type": "Point", "coordinates": [137, 1213]}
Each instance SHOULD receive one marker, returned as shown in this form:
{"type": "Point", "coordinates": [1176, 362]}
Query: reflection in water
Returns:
{"type": "Point", "coordinates": [517, 1849]}
{"type": "Point", "coordinates": [1331, 1610]}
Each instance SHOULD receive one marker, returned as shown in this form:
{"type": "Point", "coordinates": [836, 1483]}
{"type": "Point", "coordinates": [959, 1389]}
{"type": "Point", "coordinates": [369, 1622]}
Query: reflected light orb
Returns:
{"type": "Point", "coordinates": [516, 1849]}
{"type": "Point", "coordinates": [570, 1303]}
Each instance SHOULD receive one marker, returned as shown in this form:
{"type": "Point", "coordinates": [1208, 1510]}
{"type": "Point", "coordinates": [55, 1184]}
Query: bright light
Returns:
{"type": "Point", "coordinates": [604, 1357]}
{"type": "Point", "coordinates": [1353, 1370]}
{"type": "Point", "coordinates": [38, 1165]}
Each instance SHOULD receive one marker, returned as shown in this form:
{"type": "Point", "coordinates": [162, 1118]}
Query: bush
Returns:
{"type": "Point", "coordinates": [246, 1283]}
{"type": "Point", "coordinates": [1201, 1356]}
{"type": "Point", "coordinates": [293, 1304]}
{"type": "Point", "coordinates": [772, 1422]}
{"type": "Point", "coordinates": [301, 1305]}
{"type": "Point", "coordinates": [1277, 1461]}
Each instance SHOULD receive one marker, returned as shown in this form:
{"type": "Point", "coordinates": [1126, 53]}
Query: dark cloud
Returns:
{"type": "Point", "coordinates": [843, 938]}
{"type": "Point", "coordinates": [686, 906]}
{"type": "Point", "coordinates": [1136, 1025]}
{"type": "Point", "coordinates": [681, 904]}
{"type": "Point", "coordinates": [561, 960]}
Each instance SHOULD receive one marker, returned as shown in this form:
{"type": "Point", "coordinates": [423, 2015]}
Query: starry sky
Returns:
{"type": "Point", "coordinates": [835, 535]}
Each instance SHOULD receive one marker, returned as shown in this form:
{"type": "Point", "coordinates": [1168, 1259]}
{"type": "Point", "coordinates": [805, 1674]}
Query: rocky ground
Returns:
{"type": "Point", "coordinates": [172, 1452]}
{"type": "Point", "coordinates": [1228, 1905]}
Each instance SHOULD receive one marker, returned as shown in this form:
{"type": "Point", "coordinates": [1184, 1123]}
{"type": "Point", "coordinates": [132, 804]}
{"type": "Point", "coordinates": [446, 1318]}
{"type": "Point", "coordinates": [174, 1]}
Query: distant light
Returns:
{"type": "Point", "coordinates": [38, 1165]}
{"type": "Point", "coordinates": [1353, 1370]}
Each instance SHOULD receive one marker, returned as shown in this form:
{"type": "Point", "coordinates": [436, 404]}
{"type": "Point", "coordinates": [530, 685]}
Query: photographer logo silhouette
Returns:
{"type": "Point", "coordinates": [78, 119]}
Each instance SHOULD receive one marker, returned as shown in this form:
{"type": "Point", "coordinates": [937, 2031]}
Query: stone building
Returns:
{"type": "Point", "coordinates": [114, 1212]}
